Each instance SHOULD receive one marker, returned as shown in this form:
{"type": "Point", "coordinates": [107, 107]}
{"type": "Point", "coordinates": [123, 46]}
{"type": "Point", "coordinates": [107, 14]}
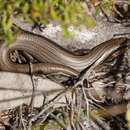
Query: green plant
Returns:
{"type": "Point", "coordinates": [65, 11]}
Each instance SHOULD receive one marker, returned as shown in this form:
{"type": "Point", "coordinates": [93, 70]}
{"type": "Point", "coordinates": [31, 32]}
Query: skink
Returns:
{"type": "Point", "coordinates": [52, 57]}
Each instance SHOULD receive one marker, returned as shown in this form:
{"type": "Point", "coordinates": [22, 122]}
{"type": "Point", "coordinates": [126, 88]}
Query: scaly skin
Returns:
{"type": "Point", "coordinates": [54, 58]}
